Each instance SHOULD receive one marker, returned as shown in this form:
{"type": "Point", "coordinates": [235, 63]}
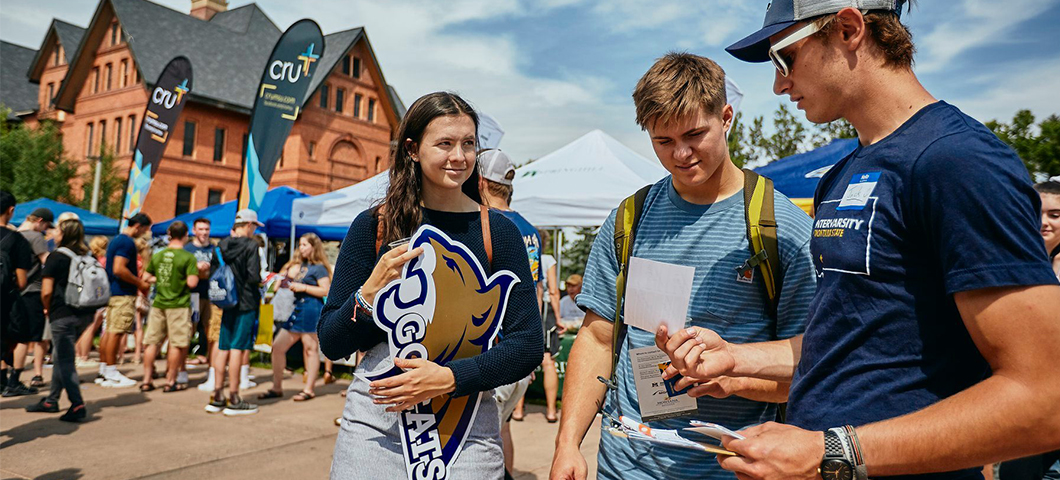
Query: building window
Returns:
{"type": "Point", "coordinates": [132, 132]}
{"type": "Point", "coordinates": [218, 144]}
{"type": "Point", "coordinates": [324, 96]}
{"type": "Point", "coordinates": [189, 138]}
{"type": "Point", "coordinates": [95, 79]}
{"type": "Point", "coordinates": [58, 55]}
{"type": "Point", "coordinates": [183, 200]}
{"type": "Point", "coordinates": [89, 138]}
{"type": "Point", "coordinates": [117, 135]}
{"type": "Point", "coordinates": [102, 134]}
{"type": "Point", "coordinates": [340, 95]}
{"type": "Point", "coordinates": [312, 147]}
{"type": "Point", "coordinates": [137, 72]}
{"type": "Point", "coordinates": [378, 163]}
{"type": "Point", "coordinates": [356, 67]}
{"type": "Point", "coordinates": [214, 197]}
{"type": "Point", "coordinates": [124, 73]}
{"type": "Point", "coordinates": [357, 106]}
{"type": "Point", "coordinates": [371, 109]}
{"type": "Point", "coordinates": [51, 96]}
{"type": "Point", "coordinates": [110, 75]}
{"type": "Point", "coordinates": [346, 65]}
{"type": "Point", "coordinates": [114, 34]}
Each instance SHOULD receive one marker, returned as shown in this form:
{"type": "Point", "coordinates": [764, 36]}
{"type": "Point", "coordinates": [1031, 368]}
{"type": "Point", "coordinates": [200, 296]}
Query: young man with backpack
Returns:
{"type": "Point", "coordinates": [931, 346]}
{"type": "Point", "coordinates": [32, 320]}
{"type": "Point", "coordinates": [238, 322]}
{"type": "Point", "coordinates": [753, 278]}
{"type": "Point", "coordinates": [209, 322]}
{"type": "Point", "coordinates": [74, 286]}
{"type": "Point", "coordinates": [125, 285]}
{"type": "Point", "coordinates": [16, 260]}
{"type": "Point", "coordinates": [175, 272]}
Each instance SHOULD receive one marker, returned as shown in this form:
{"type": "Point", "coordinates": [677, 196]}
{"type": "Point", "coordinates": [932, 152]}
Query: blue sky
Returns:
{"type": "Point", "coordinates": [552, 70]}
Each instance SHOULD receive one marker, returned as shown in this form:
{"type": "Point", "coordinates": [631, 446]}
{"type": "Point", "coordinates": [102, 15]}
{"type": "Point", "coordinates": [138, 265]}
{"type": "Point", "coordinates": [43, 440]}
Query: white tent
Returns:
{"type": "Point", "coordinates": [339, 208]}
{"type": "Point", "coordinates": [579, 184]}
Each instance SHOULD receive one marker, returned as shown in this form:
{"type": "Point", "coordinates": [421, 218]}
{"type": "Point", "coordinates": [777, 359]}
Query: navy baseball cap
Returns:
{"type": "Point", "coordinates": [781, 14]}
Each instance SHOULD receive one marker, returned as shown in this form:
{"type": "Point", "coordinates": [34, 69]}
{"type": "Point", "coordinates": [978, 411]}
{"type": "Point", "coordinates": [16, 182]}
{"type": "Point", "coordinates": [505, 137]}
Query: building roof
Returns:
{"type": "Point", "coordinates": [16, 91]}
{"type": "Point", "coordinates": [228, 53]}
{"type": "Point", "coordinates": [69, 36]}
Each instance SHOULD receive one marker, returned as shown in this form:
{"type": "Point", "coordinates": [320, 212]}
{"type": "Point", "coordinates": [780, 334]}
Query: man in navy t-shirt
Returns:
{"type": "Point", "coordinates": [125, 285]}
{"type": "Point", "coordinates": [931, 344]}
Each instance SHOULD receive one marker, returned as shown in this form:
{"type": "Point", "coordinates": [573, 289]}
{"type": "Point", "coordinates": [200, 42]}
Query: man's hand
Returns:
{"type": "Point", "coordinates": [699, 354]}
{"type": "Point", "coordinates": [773, 451]}
{"type": "Point", "coordinates": [568, 464]}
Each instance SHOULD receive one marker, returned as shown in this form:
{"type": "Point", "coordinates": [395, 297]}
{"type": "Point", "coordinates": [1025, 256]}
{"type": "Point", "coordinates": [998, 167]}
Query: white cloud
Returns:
{"type": "Point", "coordinates": [977, 23]}
{"type": "Point", "coordinates": [1027, 85]}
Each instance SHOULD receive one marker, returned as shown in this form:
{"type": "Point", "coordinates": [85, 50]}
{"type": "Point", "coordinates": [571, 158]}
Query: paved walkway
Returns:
{"type": "Point", "coordinates": [168, 436]}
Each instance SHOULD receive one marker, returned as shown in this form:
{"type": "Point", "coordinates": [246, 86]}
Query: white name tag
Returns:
{"type": "Point", "coordinates": [652, 393]}
{"type": "Point", "coordinates": [859, 191]}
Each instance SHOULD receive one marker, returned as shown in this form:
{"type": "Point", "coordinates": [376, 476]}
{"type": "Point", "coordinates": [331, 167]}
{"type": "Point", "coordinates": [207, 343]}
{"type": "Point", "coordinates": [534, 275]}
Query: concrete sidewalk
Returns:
{"type": "Point", "coordinates": [168, 435]}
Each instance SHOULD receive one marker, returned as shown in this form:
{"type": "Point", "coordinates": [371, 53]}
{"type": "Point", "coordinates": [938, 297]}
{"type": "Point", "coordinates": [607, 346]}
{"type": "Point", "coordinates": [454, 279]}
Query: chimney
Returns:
{"type": "Point", "coordinates": [206, 9]}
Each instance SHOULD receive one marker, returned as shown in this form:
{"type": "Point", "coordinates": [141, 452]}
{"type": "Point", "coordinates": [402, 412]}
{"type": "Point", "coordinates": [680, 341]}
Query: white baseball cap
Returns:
{"type": "Point", "coordinates": [247, 215]}
{"type": "Point", "coordinates": [495, 166]}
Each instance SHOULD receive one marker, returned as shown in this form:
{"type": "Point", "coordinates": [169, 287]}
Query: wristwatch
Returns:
{"type": "Point", "coordinates": [835, 465]}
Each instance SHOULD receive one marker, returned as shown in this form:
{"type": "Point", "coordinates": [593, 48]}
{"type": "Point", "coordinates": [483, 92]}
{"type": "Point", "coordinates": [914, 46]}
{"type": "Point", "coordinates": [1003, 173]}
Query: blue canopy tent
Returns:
{"type": "Point", "coordinates": [95, 224]}
{"type": "Point", "coordinates": [275, 213]}
{"type": "Point", "coordinates": [797, 176]}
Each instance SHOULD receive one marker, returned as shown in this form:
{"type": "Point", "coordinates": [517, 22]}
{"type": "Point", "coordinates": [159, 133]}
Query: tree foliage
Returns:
{"type": "Point", "coordinates": [576, 253]}
{"type": "Point", "coordinates": [1038, 146]}
{"type": "Point", "coordinates": [111, 185]}
{"type": "Point", "coordinates": [32, 161]}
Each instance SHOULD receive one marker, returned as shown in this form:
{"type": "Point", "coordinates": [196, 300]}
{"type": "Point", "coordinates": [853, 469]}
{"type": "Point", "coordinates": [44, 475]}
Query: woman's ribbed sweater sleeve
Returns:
{"type": "Point", "coordinates": [339, 335]}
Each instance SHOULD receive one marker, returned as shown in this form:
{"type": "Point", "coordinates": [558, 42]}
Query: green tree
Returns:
{"type": "Point", "coordinates": [576, 253]}
{"type": "Point", "coordinates": [789, 135]}
{"type": "Point", "coordinates": [740, 150]}
{"type": "Point", "coordinates": [1039, 148]}
{"type": "Point", "coordinates": [827, 132]}
{"type": "Point", "coordinates": [33, 162]}
{"type": "Point", "coordinates": [111, 185]}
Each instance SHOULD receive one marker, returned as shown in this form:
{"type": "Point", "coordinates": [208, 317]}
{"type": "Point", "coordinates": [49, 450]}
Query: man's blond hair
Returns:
{"type": "Point", "coordinates": [678, 85]}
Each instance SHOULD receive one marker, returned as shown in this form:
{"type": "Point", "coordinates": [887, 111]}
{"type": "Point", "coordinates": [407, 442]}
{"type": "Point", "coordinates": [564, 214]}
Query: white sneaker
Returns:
{"type": "Point", "coordinates": [82, 363]}
{"type": "Point", "coordinates": [119, 381]}
{"type": "Point", "coordinates": [100, 379]}
{"type": "Point", "coordinates": [247, 385]}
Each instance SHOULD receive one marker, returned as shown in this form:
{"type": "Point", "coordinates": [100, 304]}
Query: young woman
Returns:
{"type": "Point", "coordinates": [433, 180]}
{"type": "Point", "coordinates": [311, 279]}
{"type": "Point", "coordinates": [67, 323]}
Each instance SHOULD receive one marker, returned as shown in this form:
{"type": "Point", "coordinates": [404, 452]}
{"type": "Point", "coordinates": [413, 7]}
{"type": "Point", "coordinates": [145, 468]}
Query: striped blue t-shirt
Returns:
{"type": "Point", "coordinates": [713, 239]}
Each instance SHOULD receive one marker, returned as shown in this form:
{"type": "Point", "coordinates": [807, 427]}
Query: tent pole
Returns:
{"type": "Point", "coordinates": [556, 243]}
{"type": "Point", "coordinates": [290, 246]}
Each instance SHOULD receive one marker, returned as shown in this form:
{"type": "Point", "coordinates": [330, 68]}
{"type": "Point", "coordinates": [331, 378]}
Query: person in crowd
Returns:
{"type": "Point", "coordinates": [570, 314]}
{"type": "Point", "coordinates": [911, 350]}
{"type": "Point", "coordinates": [67, 322]}
{"type": "Point", "coordinates": [98, 247]}
{"type": "Point", "coordinates": [496, 172]}
{"type": "Point", "coordinates": [125, 285]}
{"type": "Point", "coordinates": [693, 217]}
{"type": "Point", "coordinates": [16, 261]}
{"type": "Point", "coordinates": [434, 181]}
{"type": "Point", "coordinates": [174, 273]}
{"type": "Point", "coordinates": [1046, 465]}
{"type": "Point", "coordinates": [31, 319]}
{"type": "Point", "coordinates": [209, 318]}
{"type": "Point", "coordinates": [310, 279]}
{"type": "Point", "coordinates": [238, 323]}
{"type": "Point", "coordinates": [548, 306]}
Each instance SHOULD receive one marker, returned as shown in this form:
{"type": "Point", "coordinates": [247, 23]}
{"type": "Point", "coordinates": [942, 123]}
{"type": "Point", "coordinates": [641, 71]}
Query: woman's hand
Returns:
{"type": "Point", "coordinates": [422, 380]}
{"type": "Point", "coordinates": [387, 269]}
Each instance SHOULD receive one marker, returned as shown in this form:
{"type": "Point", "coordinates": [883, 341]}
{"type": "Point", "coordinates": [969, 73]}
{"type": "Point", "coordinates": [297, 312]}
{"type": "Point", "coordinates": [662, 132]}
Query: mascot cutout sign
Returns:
{"type": "Point", "coordinates": [443, 308]}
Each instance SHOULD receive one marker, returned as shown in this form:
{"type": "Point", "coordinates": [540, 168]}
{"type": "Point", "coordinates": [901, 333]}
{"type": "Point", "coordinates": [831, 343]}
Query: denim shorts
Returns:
{"type": "Point", "coordinates": [305, 317]}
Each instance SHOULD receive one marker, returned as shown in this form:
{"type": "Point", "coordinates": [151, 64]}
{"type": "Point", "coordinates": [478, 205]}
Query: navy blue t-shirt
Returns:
{"type": "Point", "coordinates": [940, 206]}
{"type": "Point", "coordinates": [532, 240]}
{"type": "Point", "coordinates": [202, 254]}
{"type": "Point", "coordinates": [121, 246]}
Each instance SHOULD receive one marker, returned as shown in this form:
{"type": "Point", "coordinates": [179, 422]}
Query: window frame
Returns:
{"type": "Point", "coordinates": [189, 146]}
{"type": "Point", "coordinates": [190, 189]}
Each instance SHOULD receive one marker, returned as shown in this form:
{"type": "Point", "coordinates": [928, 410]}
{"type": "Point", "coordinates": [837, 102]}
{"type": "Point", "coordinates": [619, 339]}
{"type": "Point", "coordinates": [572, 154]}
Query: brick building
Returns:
{"type": "Point", "coordinates": [94, 83]}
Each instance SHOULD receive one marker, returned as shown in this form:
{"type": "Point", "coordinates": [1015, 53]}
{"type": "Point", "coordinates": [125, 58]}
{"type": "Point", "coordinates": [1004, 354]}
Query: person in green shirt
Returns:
{"type": "Point", "coordinates": [174, 272]}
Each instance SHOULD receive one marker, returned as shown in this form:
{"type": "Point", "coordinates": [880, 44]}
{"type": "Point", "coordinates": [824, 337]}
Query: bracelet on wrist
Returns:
{"type": "Point", "coordinates": [362, 302]}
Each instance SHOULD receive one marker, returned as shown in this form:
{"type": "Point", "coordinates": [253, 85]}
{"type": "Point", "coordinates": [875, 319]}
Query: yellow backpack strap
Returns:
{"type": "Point", "coordinates": [762, 235]}
{"type": "Point", "coordinates": [626, 220]}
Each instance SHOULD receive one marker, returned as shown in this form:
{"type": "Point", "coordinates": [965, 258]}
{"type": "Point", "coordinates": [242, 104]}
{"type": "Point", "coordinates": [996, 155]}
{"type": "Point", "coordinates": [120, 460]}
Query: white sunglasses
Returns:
{"type": "Point", "coordinates": [774, 51]}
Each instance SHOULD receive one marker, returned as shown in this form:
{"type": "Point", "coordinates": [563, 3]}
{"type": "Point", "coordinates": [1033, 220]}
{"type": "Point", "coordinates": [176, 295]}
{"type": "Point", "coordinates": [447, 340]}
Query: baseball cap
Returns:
{"type": "Point", "coordinates": [67, 216]}
{"type": "Point", "coordinates": [496, 166]}
{"type": "Point", "coordinates": [781, 14]}
{"type": "Point", "coordinates": [247, 215]}
{"type": "Point", "coordinates": [43, 214]}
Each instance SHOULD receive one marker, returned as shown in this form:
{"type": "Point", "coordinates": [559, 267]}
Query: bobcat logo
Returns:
{"type": "Point", "coordinates": [443, 308]}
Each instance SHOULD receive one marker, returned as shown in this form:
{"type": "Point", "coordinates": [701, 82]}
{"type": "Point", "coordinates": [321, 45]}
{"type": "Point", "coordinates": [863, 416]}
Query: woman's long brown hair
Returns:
{"type": "Point", "coordinates": [401, 212]}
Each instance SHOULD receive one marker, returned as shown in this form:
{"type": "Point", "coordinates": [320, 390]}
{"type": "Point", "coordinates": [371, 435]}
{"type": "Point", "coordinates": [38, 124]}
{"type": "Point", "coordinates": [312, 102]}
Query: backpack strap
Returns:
{"type": "Point", "coordinates": [626, 220]}
{"type": "Point", "coordinates": [762, 236]}
{"type": "Point", "coordinates": [220, 258]}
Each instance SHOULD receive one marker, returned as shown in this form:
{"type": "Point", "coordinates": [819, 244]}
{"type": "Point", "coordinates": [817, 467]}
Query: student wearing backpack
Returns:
{"type": "Point", "coordinates": [67, 322]}
{"type": "Point", "coordinates": [16, 259]}
{"type": "Point", "coordinates": [697, 216]}
{"type": "Point", "coordinates": [174, 272]}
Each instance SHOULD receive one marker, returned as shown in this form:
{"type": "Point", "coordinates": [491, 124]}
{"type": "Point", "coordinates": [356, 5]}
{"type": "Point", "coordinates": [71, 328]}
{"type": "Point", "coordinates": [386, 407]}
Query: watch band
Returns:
{"type": "Point", "coordinates": [849, 449]}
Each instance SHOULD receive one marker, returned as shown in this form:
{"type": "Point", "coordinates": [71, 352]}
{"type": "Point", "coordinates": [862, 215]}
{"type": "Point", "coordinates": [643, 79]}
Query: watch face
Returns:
{"type": "Point", "coordinates": [836, 470]}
